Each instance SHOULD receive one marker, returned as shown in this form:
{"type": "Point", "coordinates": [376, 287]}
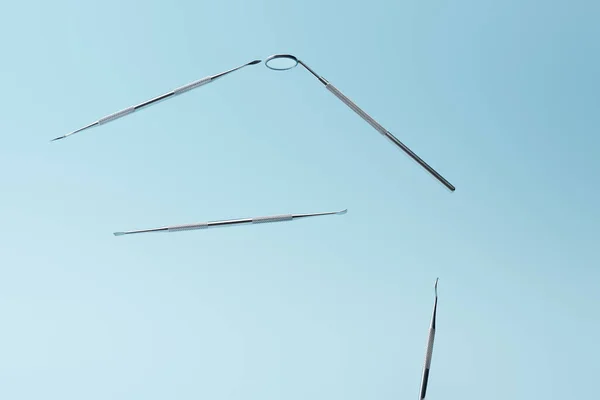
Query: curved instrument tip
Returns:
{"type": "Point", "coordinates": [341, 212]}
{"type": "Point", "coordinates": [254, 62]}
{"type": "Point", "coordinates": [435, 287]}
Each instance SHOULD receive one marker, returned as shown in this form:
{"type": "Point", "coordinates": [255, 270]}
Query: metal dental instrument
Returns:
{"type": "Point", "coordinates": [172, 93]}
{"type": "Point", "coordinates": [213, 224]}
{"type": "Point", "coordinates": [429, 351]}
{"type": "Point", "coordinates": [282, 62]}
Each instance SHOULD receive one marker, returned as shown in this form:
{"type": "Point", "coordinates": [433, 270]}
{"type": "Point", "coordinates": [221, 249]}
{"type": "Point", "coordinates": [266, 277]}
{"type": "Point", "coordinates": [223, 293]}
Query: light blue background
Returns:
{"type": "Point", "coordinates": [501, 97]}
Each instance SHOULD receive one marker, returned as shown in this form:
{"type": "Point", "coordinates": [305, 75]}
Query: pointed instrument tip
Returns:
{"type": "Point", "coordinates": [344, 211]}
{"type": "Point", "coordinates": [78, 130]}
{"type": "Point", "coordinates": [254, 62]}
{"type": "Point", "coordinates": [119, 233]}
{"type": "Point", "coordinates": [435, 287]}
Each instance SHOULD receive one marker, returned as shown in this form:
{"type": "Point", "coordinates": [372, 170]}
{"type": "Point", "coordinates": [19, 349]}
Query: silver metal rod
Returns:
{"type": "Point", "coordinates": [213, 224]}
{"type": "Point", "coordinates": [429, 350]}
{"type": "Point", "coordinates": [378, 127]}
{"type": "Point", "coordinates": [155, 100]}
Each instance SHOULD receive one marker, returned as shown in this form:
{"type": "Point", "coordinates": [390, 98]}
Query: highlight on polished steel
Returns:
{"type": "Point", "coordinates": [172, 93]}
{"type": "Point", "coordinates": [282, 62]}
{"type": "Point", "coordinates": [214, 224]}
{"type": "Point", "coordinates": [429, 351]}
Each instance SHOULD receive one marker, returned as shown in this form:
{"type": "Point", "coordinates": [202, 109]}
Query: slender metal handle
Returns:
{"type": "Point", "coordinates": [116, 115]}
{"type": "Point", "coordinates": [178, 91]}
{"type": "Point", "coordinates": [155, 100]}
{"type": "Point", "coordinates": [229, 222]}
{"type": "Point", "coordinates": [426, 367]}
{"type": "Point", "coordinates": [429, 351]}
{"type": "Point", "coordinates": [387, 134]}
{"type": "Point", "coordinates": [356, 109]}
{"type": "Point", "coordinates": [273, 218]}
{"type": "Point", "coordinates": [193, 85]}
{"type": "Point", "coordinates": [188, 227]}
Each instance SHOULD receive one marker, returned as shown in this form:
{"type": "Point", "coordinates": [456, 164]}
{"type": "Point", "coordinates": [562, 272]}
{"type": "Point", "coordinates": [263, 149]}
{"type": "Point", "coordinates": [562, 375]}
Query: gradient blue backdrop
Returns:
{"type": "Point", "coordinates": [501, 97]}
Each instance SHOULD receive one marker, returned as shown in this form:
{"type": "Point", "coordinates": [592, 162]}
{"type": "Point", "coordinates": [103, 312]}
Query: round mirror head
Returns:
{"type": "Point", "coordinates": [281, 62]}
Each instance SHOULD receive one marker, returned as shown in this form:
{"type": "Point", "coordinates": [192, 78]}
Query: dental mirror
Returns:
{"type": "Point", "coordinates": [281, 62]}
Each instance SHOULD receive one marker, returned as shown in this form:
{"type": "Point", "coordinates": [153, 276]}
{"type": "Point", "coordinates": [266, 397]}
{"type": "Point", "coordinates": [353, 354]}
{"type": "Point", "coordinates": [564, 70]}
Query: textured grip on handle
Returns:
{"type": "Point", "coordinates": [190, 86]}
{"type": "Point", "coordinates": [116, 115]}
{"type": "Point", "coordinates": [274, 218]}
{"type": "Point", "coordinates": [188, 227]}
{"type": "Point", "coordinates": [357, 109]}
{"type": "Point", "coordinates": [429, 351]}
{"type": "Point", "coordinates": [387, 134]}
